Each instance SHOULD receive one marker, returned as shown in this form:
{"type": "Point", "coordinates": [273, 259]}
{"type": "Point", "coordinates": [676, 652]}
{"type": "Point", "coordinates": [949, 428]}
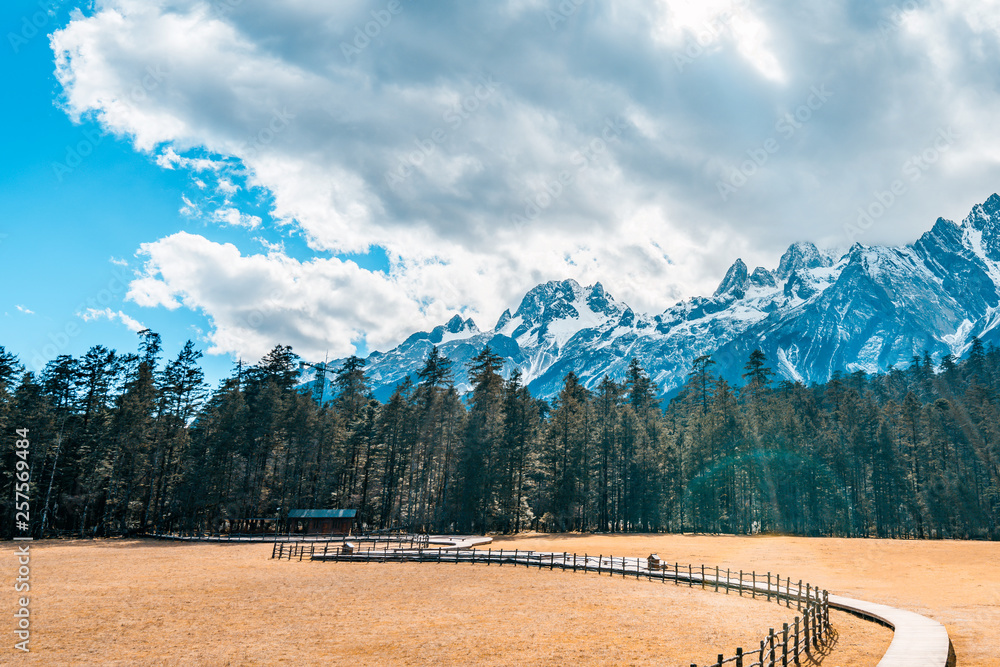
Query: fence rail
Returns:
{"type": "Point", "coordinates": [806, 633]}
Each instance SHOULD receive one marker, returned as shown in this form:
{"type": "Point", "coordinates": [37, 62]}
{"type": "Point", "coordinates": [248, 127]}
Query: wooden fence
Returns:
{"type": "Point", "coordinates": [370, 541]}
{"type": "Point", "coordinates": [784, 647]}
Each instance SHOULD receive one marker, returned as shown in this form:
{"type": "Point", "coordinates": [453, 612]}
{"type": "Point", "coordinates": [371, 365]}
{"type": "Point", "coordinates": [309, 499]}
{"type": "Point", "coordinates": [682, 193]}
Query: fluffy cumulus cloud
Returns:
{"type": "Point", "coordinates": [488, 146]}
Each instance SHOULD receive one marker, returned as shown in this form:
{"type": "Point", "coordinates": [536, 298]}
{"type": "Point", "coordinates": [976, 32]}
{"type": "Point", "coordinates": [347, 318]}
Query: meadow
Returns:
{"type": "Point", "coordinates": [148, 602]}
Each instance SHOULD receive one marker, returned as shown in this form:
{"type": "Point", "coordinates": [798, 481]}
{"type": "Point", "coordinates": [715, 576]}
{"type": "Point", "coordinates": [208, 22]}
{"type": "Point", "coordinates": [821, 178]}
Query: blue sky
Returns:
{"type": "Point", "coordinates": [266, 172]}
{"type": "Point", "coordinates": [62, 228]}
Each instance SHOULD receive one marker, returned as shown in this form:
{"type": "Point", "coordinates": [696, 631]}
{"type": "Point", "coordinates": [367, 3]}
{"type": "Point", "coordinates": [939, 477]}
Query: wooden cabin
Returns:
{"type": "Point", "coordinates": [321, 522]}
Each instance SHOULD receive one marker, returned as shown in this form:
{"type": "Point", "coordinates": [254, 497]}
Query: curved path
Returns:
{"type": "Point", "coordinates": [917, 641]}
{"type": "Point", "coordinates": [458, 541]}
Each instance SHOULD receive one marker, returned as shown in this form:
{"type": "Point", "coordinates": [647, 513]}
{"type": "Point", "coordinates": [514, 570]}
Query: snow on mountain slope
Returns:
{"type": "Point", "coordinates": [869, 308]}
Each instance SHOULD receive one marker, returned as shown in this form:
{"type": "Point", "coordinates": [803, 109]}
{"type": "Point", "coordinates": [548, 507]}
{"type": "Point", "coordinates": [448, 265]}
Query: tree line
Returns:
{"type": "Point", "coordinates": [126, 443]}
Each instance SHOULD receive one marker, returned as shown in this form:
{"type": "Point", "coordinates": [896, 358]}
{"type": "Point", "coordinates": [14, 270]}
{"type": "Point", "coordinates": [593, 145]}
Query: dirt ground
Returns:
{"type": "Point", "coordinates": [156, 603]}
{"type": "Point", "coordinates": [954, 582]}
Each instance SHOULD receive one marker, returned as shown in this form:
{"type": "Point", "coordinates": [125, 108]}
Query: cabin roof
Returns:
{"type": "Point", "coordinates": [322, 514]}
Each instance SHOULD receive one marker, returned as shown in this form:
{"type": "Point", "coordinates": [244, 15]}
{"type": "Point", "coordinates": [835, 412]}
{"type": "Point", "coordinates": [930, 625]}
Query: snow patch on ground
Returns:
{"type": "Point", "coordinates": [787, 365]}
{"type": "Point", "coordinates": [561, 330]}
{"type": "Point", "coordinates": [868, 355]}
{"type": "Point", "coordinates": [958, 340]}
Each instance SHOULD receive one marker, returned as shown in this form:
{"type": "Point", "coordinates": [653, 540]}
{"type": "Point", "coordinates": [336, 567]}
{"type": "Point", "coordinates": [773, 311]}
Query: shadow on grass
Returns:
{"type": "Point", "coordinates": [817, 656]}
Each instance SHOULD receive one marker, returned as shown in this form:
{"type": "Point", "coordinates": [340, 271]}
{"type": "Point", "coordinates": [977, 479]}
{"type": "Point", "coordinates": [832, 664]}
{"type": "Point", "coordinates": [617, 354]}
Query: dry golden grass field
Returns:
{"type": "Point", "coordinates": [145, 602]}
{"type": "Point", "coordinates": [954, 582]}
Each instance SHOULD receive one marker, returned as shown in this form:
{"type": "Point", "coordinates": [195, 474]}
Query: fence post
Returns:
{"type": "Point", "coordinates": [740, 585]}
{"type": "Point", "coordinates": [677, 574]}
{"type": "Point", "coordinates": [796, 650]}
{"type": "Point", "coordinates": [826, 609]}
{"type": "Point", "coordinates": [690, 577]}
{"type": "Point", "coordinates": [739, 657]}
{"type": "Point", "coordinates": [798, 596]}
{"type": "Point", "coordinates": [768, 586]}
{"type": "Point", "coordinates": [702, 576]}
{"type": "Point", "coordinates": [784, 645]}
{"type": "Point", "coordinates": [716, 578]}
{"type": "Point", "coordinates": [753, 590]}
{"type": "Point", "coordinates": [761, 653]}
{"type": "Point", "coordinates": [805, 630]}
{"type": "Point", "coordinates": [719, 661]}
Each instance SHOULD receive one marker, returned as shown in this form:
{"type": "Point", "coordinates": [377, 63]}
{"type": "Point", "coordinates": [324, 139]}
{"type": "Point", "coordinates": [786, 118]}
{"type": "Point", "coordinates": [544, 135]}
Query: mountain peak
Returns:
{"type": "Point", "coordinates": [801, 255]}
{"type": "Point", "coordinates": [549, 300]}
{"type": "Point", "coordinates": [455, 326]}
{"type": "Point", "coordinates": [600, 301]}
{"type": "Point", "coordinates": [992, 205]}
{"type": "Point", "coordinates": [736, 281]}
{"type": "Point", "coordinates": [761, 277]}
{"type": "Point", "coordinates": [505, 317]}
{"type": "Point", "coordinates": [985, 218]}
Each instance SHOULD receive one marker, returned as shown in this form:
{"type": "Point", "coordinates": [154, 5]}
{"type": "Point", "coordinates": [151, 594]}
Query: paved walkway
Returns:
{"type": "Point", "coordinates": [917, 641]}
{"type": "Point", "coordinates": [458, 541]}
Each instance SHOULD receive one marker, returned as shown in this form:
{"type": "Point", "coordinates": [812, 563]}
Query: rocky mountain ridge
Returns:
{"type": "Point", "coordinates": [869, 309]}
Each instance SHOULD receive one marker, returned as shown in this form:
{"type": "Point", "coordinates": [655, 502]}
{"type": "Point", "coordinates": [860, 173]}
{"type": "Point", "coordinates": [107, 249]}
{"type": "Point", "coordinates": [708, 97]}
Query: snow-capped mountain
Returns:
{"type": "Point", "coordinates": [871, 308]}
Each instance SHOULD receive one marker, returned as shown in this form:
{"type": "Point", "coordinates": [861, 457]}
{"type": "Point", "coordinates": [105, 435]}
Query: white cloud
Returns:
{"type": "Point", "coordinates": [479, 109]}
{"type": "Point", "coordinates": [236, 218]}
{"type": "Point", "coordinates": [93, 314]}
{"type": "Point", "coordinates": [24, 310]}
{"type": "Point", "coordinates": [255, 301]}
